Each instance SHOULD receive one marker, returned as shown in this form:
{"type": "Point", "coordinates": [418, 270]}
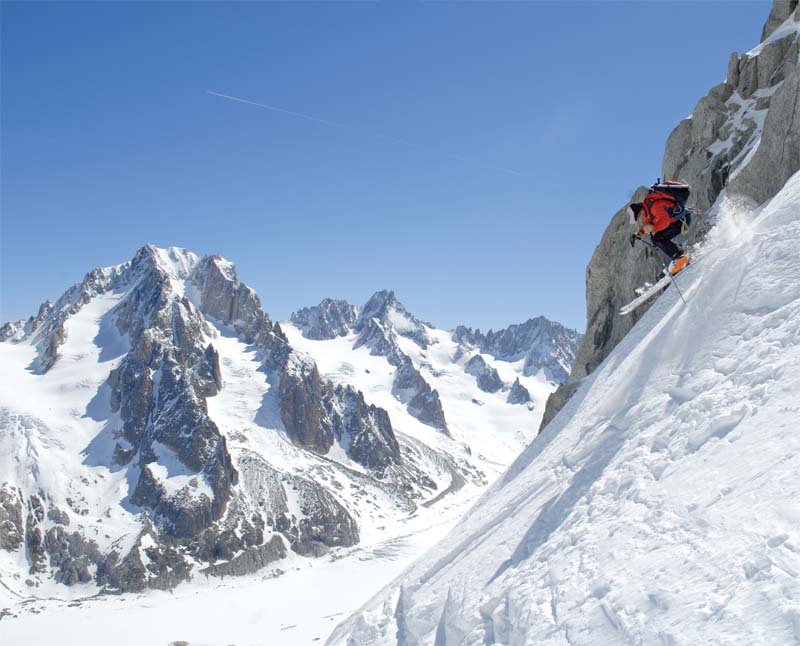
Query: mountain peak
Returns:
{"type": "Point", "coordinates": [379, 305]}
{"type": "Point", "coordinates": [176, 262]}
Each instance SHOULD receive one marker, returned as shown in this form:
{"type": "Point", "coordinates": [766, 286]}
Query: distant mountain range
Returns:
{"type": "Point", "coordinates": [155, 423]}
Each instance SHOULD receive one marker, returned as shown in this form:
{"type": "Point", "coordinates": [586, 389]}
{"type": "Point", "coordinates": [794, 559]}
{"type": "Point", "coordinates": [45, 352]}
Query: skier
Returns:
{"type": "Point", "coordinates": [663, 216]}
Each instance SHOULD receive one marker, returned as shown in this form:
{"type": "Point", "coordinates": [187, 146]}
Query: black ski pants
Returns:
{"type": "Point", "coordinates": [663, 240]}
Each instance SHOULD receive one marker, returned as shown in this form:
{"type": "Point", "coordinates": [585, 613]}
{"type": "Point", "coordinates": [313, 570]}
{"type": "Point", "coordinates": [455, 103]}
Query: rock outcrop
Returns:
{"type": "Point", "coordinates": [518, 394]}
{"type": "Point", "coordinates": [423, 401]}
{"type": "Point", "coordinates": [365, 431]}
{"type": "Point", "coordinates": [328, 320]}
{"type": "Point", "coordinates": [488, 379]}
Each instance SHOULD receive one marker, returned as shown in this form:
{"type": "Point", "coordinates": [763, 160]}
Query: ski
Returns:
{"type": "Point", "coordinates": [646, 295]}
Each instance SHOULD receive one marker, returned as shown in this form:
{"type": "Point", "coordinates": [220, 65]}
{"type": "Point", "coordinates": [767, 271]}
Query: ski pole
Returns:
{"type": "Point", "coordinates": [666, 271]}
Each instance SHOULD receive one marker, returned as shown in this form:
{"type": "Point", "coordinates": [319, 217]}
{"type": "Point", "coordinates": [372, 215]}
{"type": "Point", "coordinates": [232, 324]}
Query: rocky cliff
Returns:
{"type": "Point", "coordinates": [743, 139]}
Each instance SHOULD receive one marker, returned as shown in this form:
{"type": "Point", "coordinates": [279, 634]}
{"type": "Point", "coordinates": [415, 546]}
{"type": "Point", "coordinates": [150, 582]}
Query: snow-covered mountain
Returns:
{"type": "Point", "coordinates": [488, 394]}
{"type": "Point", "coordinates": [156, 424]}
{"type": "Point", "coordinates": [660, 505]}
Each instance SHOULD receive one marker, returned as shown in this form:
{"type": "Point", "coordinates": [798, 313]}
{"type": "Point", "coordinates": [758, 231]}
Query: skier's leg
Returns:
{"type": "Point", "coordinates": [663, 240]}
{"type": "Point", "coordinates": [668, 247]}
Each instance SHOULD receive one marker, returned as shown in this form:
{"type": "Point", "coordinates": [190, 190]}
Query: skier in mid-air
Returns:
{"type": "Point", "coordinates": [663, 215]}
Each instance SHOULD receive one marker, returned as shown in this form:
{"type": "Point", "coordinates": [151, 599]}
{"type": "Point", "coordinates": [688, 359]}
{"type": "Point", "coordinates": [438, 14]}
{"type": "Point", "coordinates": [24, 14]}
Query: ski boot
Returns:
{"type": "Point", "coordinates": [679, 263]}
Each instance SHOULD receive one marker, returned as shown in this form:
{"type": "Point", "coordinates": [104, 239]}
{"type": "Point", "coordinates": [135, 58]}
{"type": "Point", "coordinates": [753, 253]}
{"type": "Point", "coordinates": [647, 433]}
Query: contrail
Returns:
{"type": "Point", "coordinates": [370, 133]}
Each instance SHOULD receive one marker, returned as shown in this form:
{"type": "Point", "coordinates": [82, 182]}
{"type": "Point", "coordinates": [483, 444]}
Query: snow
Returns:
{"type": "Point", "coordinates": [401, 321]}
{"type": "Point", "coordinates": [660, 506]}
{"type": "Point", "coordinates": [174, 476]}
{"type": "Point", "coordinates": [178, 263]}
{"type": "Point", "coordinates": [788, 27]}
{"type": "Point", "coordinates": [49, 420]}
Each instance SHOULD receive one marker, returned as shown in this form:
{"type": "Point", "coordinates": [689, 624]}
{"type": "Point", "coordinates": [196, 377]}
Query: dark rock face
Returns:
{"type": "Point", "coordinates": [159, 389]}
{"type": "Point", "coordinates": [57, 516]}
{"type": "Point", "coordinates": [777, 157]}
{"type": "Point", "coordinates": [316, 414]}
{"type": "Point", "coordinates": [364, 431]}
{"type": "Point", "coordinates": [706, 148]}
{"type": "Point", "coordinates": [48, 324]}
{"type": "Point", "coordinates": [229, 301]}
{"type": "Point", "coordinates": [467, 336]}
{"type": "Point", "coordinates": [613, 274]}
{"type": "Point", "coordinates": [34, 543]}
{"type": "Point", "coordinates": [164, 568]}
{"type": "Point", "coordinates": [423, 401]}
{"type": "Point", "coordinates": [301, 408]}
{"type": "Point", "coordinates": [12, 530]}
{"type": "Point", "coordinates": [21, 329]}
{"type": "Point", "coordinates": [781, 10]}
{"type": "Point", "coordinates": [376, 323]}
{"type": "Point", "coordinates": [328, 320]}
{"type": "Point", "coordinates": [200, 500]}
{"type": "Point", "coordinates": [250, 560]}
{"type": "Point", "coordinates": [488, 379]}
{"type": "Point", "coordinates": [325, 522]}
{"type": "Point", "coordinates": [518, 394]}
{"type": "Point", "coordinates": [71, 555]}
{"type": "Point", "coordinates": [544, 344]}
{"type": "Point", "coordinates": [556, 401]}
{"type": "Point", "coordinates": [706, 151]}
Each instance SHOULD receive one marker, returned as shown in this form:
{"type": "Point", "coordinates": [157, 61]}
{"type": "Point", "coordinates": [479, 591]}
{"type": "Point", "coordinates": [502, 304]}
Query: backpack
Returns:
{"type": "Point", "coordinates": [679, 192]}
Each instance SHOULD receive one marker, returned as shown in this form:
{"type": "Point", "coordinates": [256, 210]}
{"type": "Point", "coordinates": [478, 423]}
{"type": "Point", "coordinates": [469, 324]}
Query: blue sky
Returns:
{"type": "Point", "coordinates": [110, 140]}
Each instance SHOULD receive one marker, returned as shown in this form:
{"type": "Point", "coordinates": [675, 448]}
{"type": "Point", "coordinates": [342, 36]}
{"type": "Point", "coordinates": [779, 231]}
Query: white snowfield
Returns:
{"type": "Point", "coordinates": [662, 505]}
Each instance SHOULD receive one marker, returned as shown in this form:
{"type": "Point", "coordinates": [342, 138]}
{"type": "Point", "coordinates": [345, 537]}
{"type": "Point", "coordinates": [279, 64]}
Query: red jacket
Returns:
{"type": "Point", "coordinates": [657, 210]}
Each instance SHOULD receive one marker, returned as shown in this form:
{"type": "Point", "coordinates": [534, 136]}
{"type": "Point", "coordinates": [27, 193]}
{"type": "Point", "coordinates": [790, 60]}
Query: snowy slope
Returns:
{"type": "Point", "coordinates": [661, 505]}
{"type": "Point", "coordinates": [50, 424]}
